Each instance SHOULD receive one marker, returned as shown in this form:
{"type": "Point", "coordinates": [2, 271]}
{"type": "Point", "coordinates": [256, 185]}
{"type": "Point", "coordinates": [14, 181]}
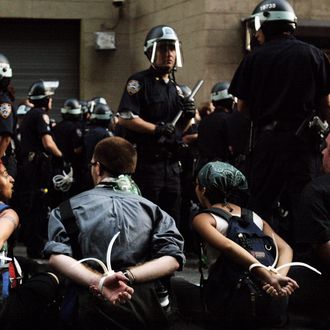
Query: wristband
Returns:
{"type": "Point", "coordinates": [129, 275]}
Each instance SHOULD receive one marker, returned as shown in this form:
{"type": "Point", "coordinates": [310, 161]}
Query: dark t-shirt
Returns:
{"type": "Point", "coordinates": [314, 219]}
{"type": "Point", "coordinates": [283, 80]}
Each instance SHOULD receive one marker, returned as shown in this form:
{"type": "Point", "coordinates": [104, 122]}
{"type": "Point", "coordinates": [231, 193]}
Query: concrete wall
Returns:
{"type": "Point", "coordinates": [210, 32]}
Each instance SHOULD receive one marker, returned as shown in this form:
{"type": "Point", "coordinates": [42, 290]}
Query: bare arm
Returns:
{"type": "Point", "coordinates": [4, 143]}
{"type": "Point", "coordinates": [154, 269]}
{"type": "Point", "coordinates": [137, 125]}
{"type": "Point", "coordinates": [284, 250]}
{"type": "Point", "coordinates": [8, 223]}
{"type": "Point", "coordinates": [50, 145]}
{"type": "Point", "coordinates": [114, 288]}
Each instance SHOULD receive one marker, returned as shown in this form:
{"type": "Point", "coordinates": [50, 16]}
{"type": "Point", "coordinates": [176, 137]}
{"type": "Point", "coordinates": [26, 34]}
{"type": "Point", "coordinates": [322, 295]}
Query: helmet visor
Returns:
{"type": "Point", "coordinates": [164, 46]}
{"type": "Point", "coordinates": [5, 71]}
{"type": "Point", "coordinates": [50, 87]}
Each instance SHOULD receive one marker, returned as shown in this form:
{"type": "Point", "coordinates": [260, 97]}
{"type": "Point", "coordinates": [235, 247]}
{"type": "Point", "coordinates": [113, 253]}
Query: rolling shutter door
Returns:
{"type": "Point", "coordinates": [43, 49]}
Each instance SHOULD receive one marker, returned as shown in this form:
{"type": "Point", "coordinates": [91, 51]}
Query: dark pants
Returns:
{"type": "Point", "coordinates": [160, 182]}
{"type": "Point", "coordinates": [281, 165]}
{"type": "Point", "coordinates": [31, 305]}
{"type": "Point", "coordinates": [143, 311]}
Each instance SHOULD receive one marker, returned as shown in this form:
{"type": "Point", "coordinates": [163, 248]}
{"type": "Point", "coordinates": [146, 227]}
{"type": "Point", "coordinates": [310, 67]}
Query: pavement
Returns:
{"type": "Point", "coordinates": [309, 307]}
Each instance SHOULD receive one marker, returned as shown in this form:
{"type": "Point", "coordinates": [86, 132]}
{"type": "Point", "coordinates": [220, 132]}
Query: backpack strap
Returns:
{"type": "Point", "coordinates": [70, 224]}
{"type": "Point", "coordinates": [4, 207]}
{"type": "Point", "coordinates": [219, 212]}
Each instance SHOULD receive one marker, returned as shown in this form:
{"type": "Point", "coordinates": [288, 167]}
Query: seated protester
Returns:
{"type": "Point", "coordinates": [147, 250]}
{"type": "Point", "coordinates": [8, 224]}
{"type": "Point", "coordinates": [313, 229]}
{"type": "Point", "coordinates": [215, 183]}
{"type": "Point", "coordinates": [32, 304]}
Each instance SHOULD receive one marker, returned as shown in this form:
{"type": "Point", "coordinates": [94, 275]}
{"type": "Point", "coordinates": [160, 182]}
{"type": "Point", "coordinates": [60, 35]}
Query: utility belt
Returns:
{"type": "Point", "coordinates": [33, 156]}
{"type": "Point", "coordinates": [156, 155]}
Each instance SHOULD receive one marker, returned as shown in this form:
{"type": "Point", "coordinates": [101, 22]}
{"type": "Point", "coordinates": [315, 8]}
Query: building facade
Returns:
{"type": "Point", "coordinates": [92, 46]}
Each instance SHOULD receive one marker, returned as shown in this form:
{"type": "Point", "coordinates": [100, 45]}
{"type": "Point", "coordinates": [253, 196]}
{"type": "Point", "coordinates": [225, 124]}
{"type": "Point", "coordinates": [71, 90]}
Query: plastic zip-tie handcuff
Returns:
{"type": "Point", "coordinates": [63, 182]}
{"type": "Point", "coordinates": [289, 264]}
{"type": "Point", "coordinates": [107, 269]}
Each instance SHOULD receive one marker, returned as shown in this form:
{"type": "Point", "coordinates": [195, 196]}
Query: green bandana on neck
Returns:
{"type": "Point", "coordinates": [123, 182]}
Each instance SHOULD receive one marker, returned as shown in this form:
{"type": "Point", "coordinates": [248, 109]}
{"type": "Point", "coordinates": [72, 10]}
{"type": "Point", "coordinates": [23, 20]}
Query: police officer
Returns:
{"type": "Point", "coordinates": [37, 149]}
{"type": "Point", "coordinates": [149, 104]}
{"type": "Point", "coordinates": [68, 137]}
{"type": "Point", "coordinates": [98, 130]}
{"type": "Point", "coordinates": [214, 127]}
{"type": "Point", "coordinates": [281, 85]}
{"type": "Point", "coordinates": [6, 113]}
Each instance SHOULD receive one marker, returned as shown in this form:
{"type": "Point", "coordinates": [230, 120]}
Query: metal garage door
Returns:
{"type": "Point", "coordinates": [43, 49]}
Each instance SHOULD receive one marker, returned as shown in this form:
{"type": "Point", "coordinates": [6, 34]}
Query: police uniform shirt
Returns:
{"type": "Point", "coordinates": [282, 80]}
{"type": "Point", "coordinates": [92, 137]}
{"type": "Point", "coordinates": [6, 115]}
{"type": "Point", "coordinates": [68, 136]}
{"type": "Point", "coordinates": [151, 98]}
{"type": "Point", "coordinates": [213, 127]}
{"type": "Point", "coordinates": [35, 124]}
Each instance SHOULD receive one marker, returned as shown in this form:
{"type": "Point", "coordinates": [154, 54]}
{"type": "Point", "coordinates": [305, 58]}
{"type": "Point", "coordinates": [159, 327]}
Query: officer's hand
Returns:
{"type": "Point", "coordinates": [167, 130]}
{"type": "Point", "coordinates": [189, 108]}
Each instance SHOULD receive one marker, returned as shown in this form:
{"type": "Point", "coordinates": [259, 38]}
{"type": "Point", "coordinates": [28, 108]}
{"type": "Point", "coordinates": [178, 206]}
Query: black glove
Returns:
{"type": "Point", "coordinates": [167, 130]}
{"type": "Point", "coordinates": [189, 108]}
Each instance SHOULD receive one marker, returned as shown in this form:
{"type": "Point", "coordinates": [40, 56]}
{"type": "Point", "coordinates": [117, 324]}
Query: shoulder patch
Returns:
{"type": "Point", "coordinates": [5, 110]}
{"type": "Point", "coordinates": [133, 86]}
{"type": "Point", "coordinates": [46, 119]}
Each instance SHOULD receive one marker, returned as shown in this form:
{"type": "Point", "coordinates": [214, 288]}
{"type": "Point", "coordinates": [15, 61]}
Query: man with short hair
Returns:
{"type": "Point", "coordinates": [148, 248]}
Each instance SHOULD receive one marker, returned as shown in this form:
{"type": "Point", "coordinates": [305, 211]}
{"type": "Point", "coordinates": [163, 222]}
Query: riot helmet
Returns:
{"type": "Point", "coordinates": [41, 89]}
{"type": "Point", "coordinates": [94, 102]}
{"type": "Point", "coordinates": [273, 17]}
{"type": "Point", "coordinates": [71, 109]}
{"type": "Point", "coordinates": [5, 69]}
{"type": "Point", "coordinates": [162, 36]}
{"type": "Point", "coordinates": [102, 115]}
{"type": "Point", "coordinates": [5, 72]}
{"type": "Point", "coordinates": [220, 96]}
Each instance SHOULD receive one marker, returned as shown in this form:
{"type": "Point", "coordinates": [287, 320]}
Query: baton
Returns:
{"type": "Point", "coordinates": [190, 98]}
{"type": "Point", "coordinates": [194, 91]}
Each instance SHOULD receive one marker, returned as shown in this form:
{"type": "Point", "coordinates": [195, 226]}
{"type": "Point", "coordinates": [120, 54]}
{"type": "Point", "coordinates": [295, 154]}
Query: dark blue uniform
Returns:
{"type": "Point", "coordinates": [34, 180]}
{"type": "Point", "coordinates": [282, 82]}
{"type": "Point", "coordinates": [68, 136]}
{"type": "Point", "coordinates": [158, 169]}
{"type": "Point", "coordinates": [7, 129]}
{"type": "Point", "coordinates": [213, 142]}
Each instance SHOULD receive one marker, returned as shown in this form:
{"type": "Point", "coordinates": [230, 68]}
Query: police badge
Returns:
{"type": "Point", "coordinates": [5, 110]}
{"type": "Point", "coordinates": [133, 86]}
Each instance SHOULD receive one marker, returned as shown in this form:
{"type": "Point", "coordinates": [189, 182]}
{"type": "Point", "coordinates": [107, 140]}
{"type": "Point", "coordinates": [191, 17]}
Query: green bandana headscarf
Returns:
{"type": "Point", "coordinates": [221, 176]}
